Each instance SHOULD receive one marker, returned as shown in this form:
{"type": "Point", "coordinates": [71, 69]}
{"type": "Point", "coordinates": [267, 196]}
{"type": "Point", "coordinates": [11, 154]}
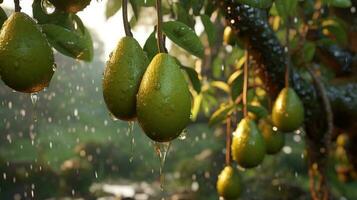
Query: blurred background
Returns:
{"type": "Point", "coordinates": [63, 144]}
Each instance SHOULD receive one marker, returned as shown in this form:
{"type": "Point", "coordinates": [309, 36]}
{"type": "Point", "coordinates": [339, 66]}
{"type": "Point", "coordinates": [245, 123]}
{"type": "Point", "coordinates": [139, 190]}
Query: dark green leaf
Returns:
{"type": "Point", "coordinates": [150, 46]}
{"type": "Point", "coordinates": [221, 114]}
{"type": "Point", "coordinates": [184, 36]}
{"type": "Point", "coordinates": [3, 16]}
{"type": "Point", "coordinates": [210, 30]}
{"type": "Point", "coordinates": [193, 75]}
{"type": "Point", "coordinates": [135, 5]}
{"type": "Point", "coordinates": [112, 7]}
{"type": "Point", "coordinates": [286, 8]}
{"type": "Point", "coordinates": [183, 15]}
{"type": "Point", "coordinates": [74, 43]}
{"type": "Point", "coordinates": [338, 3]}
{"type": "Point", "coordinates": [57, 17]}
{"type": "Point", "coordinates": [309, 51]}
{"type": "Point", "coordinates": [257, 3]}
{"type": "Point", "coordinates": [236, 84]}
{"type": "Point", "coordinates": [259, 111]}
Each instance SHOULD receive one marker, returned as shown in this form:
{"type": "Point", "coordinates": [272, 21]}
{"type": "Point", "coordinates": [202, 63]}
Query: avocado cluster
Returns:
{"type": "Point", "coordinates": [155, 93]}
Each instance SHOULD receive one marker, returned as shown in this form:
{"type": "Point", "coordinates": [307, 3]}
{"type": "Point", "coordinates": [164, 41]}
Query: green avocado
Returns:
{"type": "Point", "coordinates": [229, 184]}
{"type": "Point", "coordinates": [26, 58]}
{"type": "Point", "coordinates": [71, 6]}
{"type": "Point", "coordinates": [274, 139]}
{"type": "Point", "coordinates": [122, 77]}
{"type": "Point", "coordinates": [248, 146]}
{"type": "Point", "coordinates": [163, 100]}
{"type": "Point", "coordinates": [288, 111]}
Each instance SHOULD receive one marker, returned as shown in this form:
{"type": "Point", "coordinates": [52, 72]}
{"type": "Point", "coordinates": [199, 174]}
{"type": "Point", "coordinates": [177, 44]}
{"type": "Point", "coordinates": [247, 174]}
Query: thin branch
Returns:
{"type": "Point", "coordinates": [160, 36]}
{"type": "Point", "coordinates": [228, 141]}
{"type": "Point", "coordinates": [125, 19]}
{"type": "Point", "coordinates": [17, 6]}
{"type": "Point", "coordinates": [246, 76]}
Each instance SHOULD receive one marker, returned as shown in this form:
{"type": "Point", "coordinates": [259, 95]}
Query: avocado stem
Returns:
{"type": "Point", "coordinates": [245, 85]}
{"type": "Point", "coordinates": [228, 141]}
{"type": "Point", "coordinates": [17, 6]}
{"type": "Point", "coordinates": [126, 23]}
{"type": "Point", "coordinates": [287, 69]}
{"type": "Point", "coordinates": [160, 36]}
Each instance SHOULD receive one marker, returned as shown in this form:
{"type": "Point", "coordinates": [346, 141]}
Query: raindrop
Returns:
{"type": "Point", "coordinates": [130, 133]}
{"type": "Point", "coordinates": [113, 117]}
{"type": "Point", "coordinates": [162, 150]}
{"type": "Point", "coordinates": [47, 7]}
{"type": "Point", "coordinates": [183, 135]}
{"type": "Point", "coordinates": [34, 98]}
{"type": "Point", "coordinates": [96, 174]}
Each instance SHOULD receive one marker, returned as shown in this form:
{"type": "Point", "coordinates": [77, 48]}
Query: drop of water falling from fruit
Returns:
{"type": "Point", "coordinates": [34, 99]}
{"type": "Point", "coordinates": [162, 150]}
{"type": "Point", "coordinates": [130, 133]}
{"type": "Point", "coordinates": [47, 7]}
{"type": "Point", "coordinates": [183, 135]}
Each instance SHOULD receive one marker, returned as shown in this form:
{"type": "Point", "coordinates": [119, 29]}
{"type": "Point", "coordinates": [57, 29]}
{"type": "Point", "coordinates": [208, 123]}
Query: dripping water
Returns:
{"type": "Point", "coordinates": [34, 99]}
{"type": "Point", "coordinates": [162, 150]}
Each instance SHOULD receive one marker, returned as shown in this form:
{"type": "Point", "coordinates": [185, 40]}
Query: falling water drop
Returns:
{"type": "Point", "coordinates": [34, 99]}
{"type": "Point", "coordinates": [183, 135]}
{"type": "Point", "coordinates": [54, 67]}
{"type": "Point", "coordinates": [130, 133]}
{"type": "Point", "coordinates": [162, 150]}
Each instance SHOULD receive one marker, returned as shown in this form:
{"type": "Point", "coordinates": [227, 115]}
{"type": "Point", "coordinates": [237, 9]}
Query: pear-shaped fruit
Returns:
{"type": "Point", "coordinates": [288, 111]}
{"type": "Point", "coordinates": [26, 59]}
{"type": "Point", "coordinates": [248, 146]}
{"type": "Point", "coordinates": [71, 6]}
{"type": "Point", "coordinates": [229, 184]}
{"type": "Point", "coordinates": [163, 100]}
{"type": "Point", "coordinates": [274, 139]}
{"type": "Point", "coordinates": [122, 77]}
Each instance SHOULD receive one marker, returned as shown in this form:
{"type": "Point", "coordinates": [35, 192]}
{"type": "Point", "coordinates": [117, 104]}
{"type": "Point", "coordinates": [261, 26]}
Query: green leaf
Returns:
{"type": "Point", "coordinates": [197, 102]}
{"type": "Point", "coordinates": [150, 46]}
{"type": "Point", "coordinates": [184, 36]}
{"type": "Point", "coordinates": [183, 15]}
{"type": "Point", "coordinates": [338, 3]}
{"type": "Point", "coordinates": [135, 5]}
{"type": "Point", "coordinates": [236, 84]}
{"type": "Point", "coordinates": [336, 28]}
{"type": "Point", "coordinates": [259, 111]}
{"type": "Point", "coordinates": [73, 43]}
{"type": "Point", "coordinates": [112, 7]}
{"type": "Point", "coordinates": [221, 114]}
{"type": "Point", "coordinates": [286, 8]}
{"type": "Point", "coordinates": [309, 51]}
{"type": "Point", "coordinates": [210, 29]}
{"type": "Point", "coordinates": [3, 16]}
{"type": "Point", "coordinates": [193, 76]}
{"type": "Point", "coordinates": [258, 3]}
{"type": "Point", "coordinates": [221, 85]}
{"type": "Point", "coordinates": [145, 3]}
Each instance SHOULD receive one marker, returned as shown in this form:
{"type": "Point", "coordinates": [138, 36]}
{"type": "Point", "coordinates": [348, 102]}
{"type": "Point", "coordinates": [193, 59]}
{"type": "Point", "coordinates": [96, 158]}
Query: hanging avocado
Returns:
{"type": "Point", "coordinates": [163, 100]}
{"type": "Point", "coordinates": [274, 139]}
{"type": "Point", "coordinates": [288, 111]}
{"type": "Point", "coordinates": [248, 146]}
{"type": "Point", "coordinates": [122, 77]}
{"type": "Point", "coordinates": [229, 185]}
{"type": "Point", "coordinates": [26, 59]}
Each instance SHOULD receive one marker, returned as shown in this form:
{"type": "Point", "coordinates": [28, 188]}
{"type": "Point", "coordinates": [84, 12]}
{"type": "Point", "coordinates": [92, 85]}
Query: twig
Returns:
{"type": "Point", "coordinates": [246, 76]}
{"type": "Point", "coordinates": [228, 141]}
{"type": "Point", "coordinates": [126, 23]}
{"type": "Point", "coordinates": [17, 6]}
{"type": "Point", "coordinates": [160, 36]}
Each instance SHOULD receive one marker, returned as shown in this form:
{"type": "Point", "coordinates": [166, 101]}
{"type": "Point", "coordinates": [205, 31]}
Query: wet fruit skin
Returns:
{"type": "Point", "coordinates": [71, 6]}
{"type": "Point", "coordinates": [274, 140]}
{"type": "Point", "coordinates": [26, 59]}
{"type": "Point", "coordinates": [122, 77]}
{"type": "Point", "coordinates": [229, 184]}
{"type": "Point", "coordinates": [288, 111]}
{"type": "Point", "coordinates": [248, 146]}
{"type": "Point", "coordinates": [163, 100]}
